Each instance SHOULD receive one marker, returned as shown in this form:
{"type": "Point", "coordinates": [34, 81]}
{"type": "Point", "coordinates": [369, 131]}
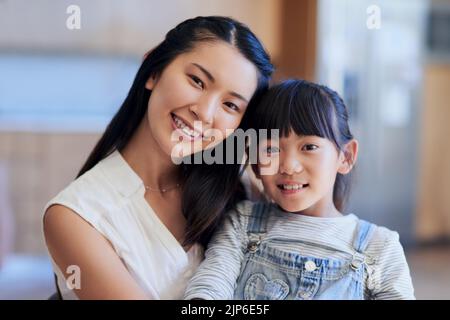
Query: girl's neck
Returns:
{"type": "Point", "coordinates": [320, 214]}
{"type": "Point", "coordinates": [150, 163]}
{"type": "Point", "coordinates": [323, 208]}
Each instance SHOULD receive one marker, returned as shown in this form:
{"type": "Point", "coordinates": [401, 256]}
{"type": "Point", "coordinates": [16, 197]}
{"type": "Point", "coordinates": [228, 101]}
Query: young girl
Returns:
{"type": "Point", "coordinates": [301, 245]}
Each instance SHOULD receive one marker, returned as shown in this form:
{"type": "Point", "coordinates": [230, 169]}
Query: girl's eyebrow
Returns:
{"type": "Point", "coordinates": [211, 78]}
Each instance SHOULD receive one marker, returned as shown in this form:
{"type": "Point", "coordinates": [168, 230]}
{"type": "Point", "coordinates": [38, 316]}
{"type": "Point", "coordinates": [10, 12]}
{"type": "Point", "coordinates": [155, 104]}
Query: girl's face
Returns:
{"type": "Point", "coordinates": [307, 168]}
{"type": "Point", "coordinates": [210, 85]}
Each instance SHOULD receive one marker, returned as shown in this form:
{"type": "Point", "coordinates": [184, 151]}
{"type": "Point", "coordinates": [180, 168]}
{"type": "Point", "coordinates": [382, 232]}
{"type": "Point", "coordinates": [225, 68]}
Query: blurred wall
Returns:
{"type": "Point", "coordinates": [39, 166]}
{"type": "Point", "coordinates": [42, 161]}
{"type": "Point", "coordinates": [6, 215]}
{"type": "Point", "coordinates": [433, 213]}
{"type": "Point", "coordinates": [296, 56]}
{"type": "Point", "coordinates": [378, 72]}
{"type": "Point", "coordinates": [123, 27]}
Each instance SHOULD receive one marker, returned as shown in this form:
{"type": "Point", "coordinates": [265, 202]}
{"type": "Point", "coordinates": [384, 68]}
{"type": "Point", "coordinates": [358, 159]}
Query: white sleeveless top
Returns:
{"type": "Point", "coordinates": [110, 197]}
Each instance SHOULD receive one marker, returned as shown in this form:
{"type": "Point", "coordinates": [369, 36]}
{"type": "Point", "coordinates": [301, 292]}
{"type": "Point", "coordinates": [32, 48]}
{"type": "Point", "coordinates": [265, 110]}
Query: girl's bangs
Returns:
{"type": "Point", "coordinates": [296, 106]}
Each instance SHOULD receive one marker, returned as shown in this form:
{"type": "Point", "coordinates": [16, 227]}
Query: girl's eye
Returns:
{"type": "Point", "coordinates": [198, 82]}
{"type": "Point", "coordinates": [272, 150]}
{"type": "Point", "coordinates": [232, 106]}
{"type": "Point", "coordinates": [309, 147]}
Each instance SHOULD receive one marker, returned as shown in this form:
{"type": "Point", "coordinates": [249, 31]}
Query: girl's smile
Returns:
{"type": "Point", "coordinates": [290, 187]}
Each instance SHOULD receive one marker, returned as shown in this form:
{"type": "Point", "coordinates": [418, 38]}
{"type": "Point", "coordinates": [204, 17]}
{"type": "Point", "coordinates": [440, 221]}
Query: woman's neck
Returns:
{"type": "Point", "coordinates": [146, 158]}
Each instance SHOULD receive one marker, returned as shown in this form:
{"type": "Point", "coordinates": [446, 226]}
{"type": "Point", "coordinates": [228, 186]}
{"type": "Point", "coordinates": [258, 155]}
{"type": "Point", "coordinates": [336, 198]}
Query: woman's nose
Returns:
{"type": "Point", "coordinates": [290, 166]}
{"type": "Point", "coordinates": [204, 111]}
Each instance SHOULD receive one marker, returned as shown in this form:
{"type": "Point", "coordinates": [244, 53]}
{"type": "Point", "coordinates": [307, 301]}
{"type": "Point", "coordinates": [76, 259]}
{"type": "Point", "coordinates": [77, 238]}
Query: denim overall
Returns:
{"type": "Point", "coordinates": [269, 273]}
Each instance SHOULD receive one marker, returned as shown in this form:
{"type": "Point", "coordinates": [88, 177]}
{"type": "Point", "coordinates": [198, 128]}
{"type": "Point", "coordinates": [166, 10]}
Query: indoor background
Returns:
{"type": "Point", "coordinates": [389, 59]}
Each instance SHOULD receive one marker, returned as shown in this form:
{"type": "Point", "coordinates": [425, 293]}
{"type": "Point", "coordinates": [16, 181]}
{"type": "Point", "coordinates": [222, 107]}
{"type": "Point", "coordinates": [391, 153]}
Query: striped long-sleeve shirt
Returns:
{"type": "Point", "coordinates": [216, 277]}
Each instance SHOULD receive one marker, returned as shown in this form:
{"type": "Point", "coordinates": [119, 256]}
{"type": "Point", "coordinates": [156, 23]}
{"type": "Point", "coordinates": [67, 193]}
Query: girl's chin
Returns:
{"type": "Point", "coordinates": [291, 207]}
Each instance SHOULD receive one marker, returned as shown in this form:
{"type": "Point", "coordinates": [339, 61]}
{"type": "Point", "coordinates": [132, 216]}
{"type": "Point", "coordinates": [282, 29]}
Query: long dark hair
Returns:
{"type": "Point", "coordinates": [307, 109]}
{"type": "Point", "coordinates": [209, 190]}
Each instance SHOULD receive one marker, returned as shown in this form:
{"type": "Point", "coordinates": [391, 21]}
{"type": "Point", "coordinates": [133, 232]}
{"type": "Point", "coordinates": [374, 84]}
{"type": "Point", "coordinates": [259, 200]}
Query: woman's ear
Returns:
{"type": "Point", "coordinates": [146, 54]}
{"type": "Point", "coordinates": [348, 156]}
{"type": "Point", "coordinates": [150, 84]}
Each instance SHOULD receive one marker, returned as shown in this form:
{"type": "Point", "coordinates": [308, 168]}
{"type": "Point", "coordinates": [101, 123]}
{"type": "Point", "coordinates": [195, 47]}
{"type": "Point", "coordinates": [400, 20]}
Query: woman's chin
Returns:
{"type": "Point", "coordinates": [185, 149]}
{"type": "Point", "coordinates": [181, 151]}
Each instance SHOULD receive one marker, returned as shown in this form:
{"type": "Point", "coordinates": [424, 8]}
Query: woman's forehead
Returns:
{"type": "Point", "coordinates": [226, 65]}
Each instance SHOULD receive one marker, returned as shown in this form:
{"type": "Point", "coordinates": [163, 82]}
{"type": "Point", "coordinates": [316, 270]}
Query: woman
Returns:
{"type": "Point", "coordinates": [133, 223]}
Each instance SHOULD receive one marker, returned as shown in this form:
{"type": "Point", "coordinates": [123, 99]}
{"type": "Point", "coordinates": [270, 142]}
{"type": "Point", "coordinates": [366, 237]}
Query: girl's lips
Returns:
{"type": "Point", "coordinates": [292, 190]}
{"type": "Point", "coordinates": [175, 127]}
{"type": "Point", "coordinates": [288, 192]}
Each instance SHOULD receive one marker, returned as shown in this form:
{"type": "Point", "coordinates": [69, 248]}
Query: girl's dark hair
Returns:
{"type": "Point", "coordinates": [307, 109]}
{"type": "Point", "coordinates": [209, 190]}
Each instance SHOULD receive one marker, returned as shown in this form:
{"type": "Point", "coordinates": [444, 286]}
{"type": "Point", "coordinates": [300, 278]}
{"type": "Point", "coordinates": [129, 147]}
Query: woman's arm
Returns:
{"type": "Point", "coordinates": [73, 241]}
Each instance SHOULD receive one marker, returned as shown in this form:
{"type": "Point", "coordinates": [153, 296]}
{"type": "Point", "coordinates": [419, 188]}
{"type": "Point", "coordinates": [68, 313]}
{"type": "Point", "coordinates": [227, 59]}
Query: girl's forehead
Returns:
{"type": "Point", "coordinates": [291, 137]}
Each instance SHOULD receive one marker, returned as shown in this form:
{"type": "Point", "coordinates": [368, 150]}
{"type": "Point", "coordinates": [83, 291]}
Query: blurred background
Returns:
{"type": "Point", "coordinates": [389, 59]}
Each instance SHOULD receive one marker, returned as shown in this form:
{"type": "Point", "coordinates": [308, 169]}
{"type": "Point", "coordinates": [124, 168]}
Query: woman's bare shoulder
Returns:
{"type": "Point", "coordinates": [72, 241]}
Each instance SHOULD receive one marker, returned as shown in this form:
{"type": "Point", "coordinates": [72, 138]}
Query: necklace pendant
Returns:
{"type": "Point", "coordinates": [161, 190]}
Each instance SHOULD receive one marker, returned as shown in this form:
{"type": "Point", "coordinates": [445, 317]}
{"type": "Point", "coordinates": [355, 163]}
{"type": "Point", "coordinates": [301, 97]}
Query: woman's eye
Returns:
{"type": "Point", "coordinates": [198, 82]}
{"type": "Point", "coordinates": [232, 106]}
{"type": "Point", "coordinates": [309, 147]}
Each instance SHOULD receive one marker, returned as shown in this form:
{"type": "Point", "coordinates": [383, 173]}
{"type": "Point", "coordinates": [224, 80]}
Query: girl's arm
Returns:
{"type": "Point", "coordinates": [393, 279]}
{"type": "Point", "coordinates": [216, 277]}
{"type": "Point", "coordinates": [73, 241]}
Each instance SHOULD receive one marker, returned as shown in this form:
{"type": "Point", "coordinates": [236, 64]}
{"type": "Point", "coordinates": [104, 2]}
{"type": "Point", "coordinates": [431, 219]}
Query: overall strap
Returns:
{"type": "Point", "coordinates": [257, 225]}
{"type": "Point", "coordinates": [257, 221]}
{"type": "Point", "coordinates": [363, 235]}
{"type": "Point", "coordinates": [361, 240]}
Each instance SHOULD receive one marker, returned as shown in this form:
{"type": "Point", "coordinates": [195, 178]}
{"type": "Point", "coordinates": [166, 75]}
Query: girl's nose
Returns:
{"type": "Point", "coordinates": [290, 166]}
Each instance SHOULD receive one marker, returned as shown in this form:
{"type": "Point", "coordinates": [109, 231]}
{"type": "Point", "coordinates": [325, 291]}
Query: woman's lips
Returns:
{"type": "Point", "coordinates": [185, 128]}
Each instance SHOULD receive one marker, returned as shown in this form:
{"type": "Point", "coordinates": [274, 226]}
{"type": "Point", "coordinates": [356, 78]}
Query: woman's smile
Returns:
{"type": "Point", "coordinates": [191, 133]}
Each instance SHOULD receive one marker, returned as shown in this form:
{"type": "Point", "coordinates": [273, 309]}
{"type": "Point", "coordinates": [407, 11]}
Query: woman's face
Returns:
{"type": "Point", "coordinates": [200, 94]}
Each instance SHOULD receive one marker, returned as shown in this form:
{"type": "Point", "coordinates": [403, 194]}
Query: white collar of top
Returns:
{"type": "Point", "coordinates": [121, 175]}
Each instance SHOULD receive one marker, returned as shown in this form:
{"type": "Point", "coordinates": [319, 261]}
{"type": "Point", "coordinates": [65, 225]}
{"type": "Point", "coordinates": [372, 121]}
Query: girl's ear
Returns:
{"type": "Point", "coordinates": [348, 156]}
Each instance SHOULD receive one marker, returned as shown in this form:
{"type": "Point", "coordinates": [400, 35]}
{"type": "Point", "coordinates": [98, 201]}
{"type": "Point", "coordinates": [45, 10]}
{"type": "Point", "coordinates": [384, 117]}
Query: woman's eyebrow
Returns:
{"type": "Point", "coordinates": [206, 72]}
{"type": "Point", "coordinates": [211, 78]}
{"type": "Point", "coordinates": [237, 95]}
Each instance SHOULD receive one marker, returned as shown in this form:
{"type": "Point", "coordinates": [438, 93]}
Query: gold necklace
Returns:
{"type": "Point", "coordinates": [161, 190]}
